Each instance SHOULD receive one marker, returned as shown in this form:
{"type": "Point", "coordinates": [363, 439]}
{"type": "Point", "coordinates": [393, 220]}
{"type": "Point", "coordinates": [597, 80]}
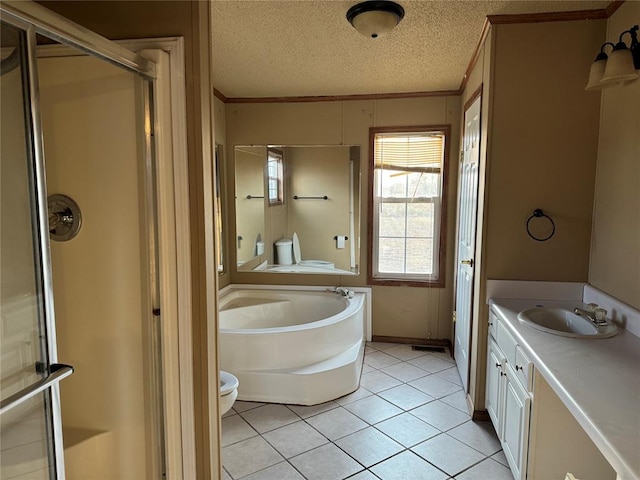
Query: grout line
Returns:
{"type": "Point", "coordinates": [373, 425]}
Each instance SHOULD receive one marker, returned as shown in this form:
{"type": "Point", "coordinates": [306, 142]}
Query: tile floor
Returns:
{"type": "Point", "coordinates": [407, 421]}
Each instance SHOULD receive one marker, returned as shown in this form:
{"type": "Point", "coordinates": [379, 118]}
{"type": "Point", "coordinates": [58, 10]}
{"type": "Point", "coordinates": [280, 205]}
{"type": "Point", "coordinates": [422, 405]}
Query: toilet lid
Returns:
{"type": "Point", "coordinates": [228, 383]}
{"type": "Point", "coordinates": [297, 256]}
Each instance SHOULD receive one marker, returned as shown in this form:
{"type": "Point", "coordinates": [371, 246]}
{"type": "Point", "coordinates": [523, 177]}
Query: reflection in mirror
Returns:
{"type": "Point", "coordinates": [309, 219]}
{"type": "Point", "coordinates": [220, 242]}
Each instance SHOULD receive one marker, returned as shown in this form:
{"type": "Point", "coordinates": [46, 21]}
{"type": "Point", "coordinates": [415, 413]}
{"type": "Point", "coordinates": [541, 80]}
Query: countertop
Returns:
{"type": "Point", "coordinates": [597, 379]}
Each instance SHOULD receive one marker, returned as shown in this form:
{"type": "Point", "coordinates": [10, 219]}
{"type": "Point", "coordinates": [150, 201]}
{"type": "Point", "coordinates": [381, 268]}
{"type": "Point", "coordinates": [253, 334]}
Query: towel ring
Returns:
{"type": "Point", "coordinates": [537, 213]}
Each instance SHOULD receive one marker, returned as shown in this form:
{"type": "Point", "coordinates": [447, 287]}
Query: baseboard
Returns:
{"type": "Point", "coordinates": [445, 342]}
{"type": "Point", "coordinates": [480, 416]}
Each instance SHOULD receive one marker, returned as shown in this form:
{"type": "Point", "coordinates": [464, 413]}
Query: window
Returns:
{"type": "Point", "coordinates": [274, 176]}
{"type": "Point", "coordinates": [408, 205]}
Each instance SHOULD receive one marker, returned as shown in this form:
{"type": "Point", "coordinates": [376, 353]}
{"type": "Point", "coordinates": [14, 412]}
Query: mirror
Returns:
{"type": "Point", "coordinates": [298, 209]}
{"type": "Point", "coordinates": [221, 258]}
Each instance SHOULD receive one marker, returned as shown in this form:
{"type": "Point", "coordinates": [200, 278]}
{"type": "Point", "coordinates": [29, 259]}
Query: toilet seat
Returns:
{"type": "Point", "coordinates": [228, 383]}
{"type": "Point", "coordinates": [297, 256]}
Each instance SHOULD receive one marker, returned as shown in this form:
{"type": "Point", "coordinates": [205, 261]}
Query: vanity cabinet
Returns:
{"type": "Point", "coordinates": [508, 398]}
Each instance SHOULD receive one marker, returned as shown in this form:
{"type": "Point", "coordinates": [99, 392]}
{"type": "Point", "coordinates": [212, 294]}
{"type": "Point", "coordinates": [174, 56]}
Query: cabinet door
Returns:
{"type": "Point", "coordinates": [493, 397]}
{"type": "Point", "coordinates": [515, 430]}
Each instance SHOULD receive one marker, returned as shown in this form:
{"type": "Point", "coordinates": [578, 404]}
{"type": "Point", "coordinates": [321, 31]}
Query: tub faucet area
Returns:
{"type": "Point", "coordinates": [344, 291]}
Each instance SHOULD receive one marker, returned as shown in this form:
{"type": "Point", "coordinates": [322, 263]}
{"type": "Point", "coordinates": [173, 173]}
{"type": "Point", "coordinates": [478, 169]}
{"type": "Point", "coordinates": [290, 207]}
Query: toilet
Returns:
{"type": "Point", "coordinates": [228, 391]}
{"type": "Point", "coordinates": [297, 256]}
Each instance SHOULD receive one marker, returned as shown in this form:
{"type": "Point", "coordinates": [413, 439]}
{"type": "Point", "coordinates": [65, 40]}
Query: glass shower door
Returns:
{"type": "Point", "coordinates": [30, 434]}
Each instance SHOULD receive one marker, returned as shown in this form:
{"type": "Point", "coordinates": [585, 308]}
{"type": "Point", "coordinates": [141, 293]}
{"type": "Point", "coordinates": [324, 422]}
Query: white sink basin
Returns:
{"type": "Point", "coordinates": [563, 322]}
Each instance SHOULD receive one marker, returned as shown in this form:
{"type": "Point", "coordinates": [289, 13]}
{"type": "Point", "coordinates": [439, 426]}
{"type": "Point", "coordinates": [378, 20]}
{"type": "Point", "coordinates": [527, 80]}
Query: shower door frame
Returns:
{"type": "Point", "coordinates": [171, 216]}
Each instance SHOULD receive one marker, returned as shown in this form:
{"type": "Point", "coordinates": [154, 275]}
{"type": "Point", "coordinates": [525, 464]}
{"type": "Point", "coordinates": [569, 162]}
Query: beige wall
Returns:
{"type": "Point", "coordinates": [250, 162]}
{"type": "Point", "coordinates": [544, 136]}
{"type": "Point", "coordinates": [318, 172]}
{"type": "Point", "coordinates": [94, 155]}
{"type": "Point", "coordinates": [615, 238]}
{"type": "Point", "coordinates": [347, 123]}
{"type": "Point", "coordinates": [189, 19]}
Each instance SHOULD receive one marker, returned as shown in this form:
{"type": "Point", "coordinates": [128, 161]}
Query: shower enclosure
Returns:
{"type": "Point", "coordinates": [94, 301]}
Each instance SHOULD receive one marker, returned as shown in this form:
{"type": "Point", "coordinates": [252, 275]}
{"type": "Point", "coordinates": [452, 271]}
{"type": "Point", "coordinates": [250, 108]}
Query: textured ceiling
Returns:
{"type": "Point", "coordinates": [281, 48]}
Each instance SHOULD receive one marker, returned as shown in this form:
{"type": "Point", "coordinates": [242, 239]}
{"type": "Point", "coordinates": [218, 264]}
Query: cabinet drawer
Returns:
{"type": "Point", "coordinates": [506, 342]}
{"type": "Point", "coordinates": [524, 369]}
{"type": "Point", "coordinates": [493, 322]}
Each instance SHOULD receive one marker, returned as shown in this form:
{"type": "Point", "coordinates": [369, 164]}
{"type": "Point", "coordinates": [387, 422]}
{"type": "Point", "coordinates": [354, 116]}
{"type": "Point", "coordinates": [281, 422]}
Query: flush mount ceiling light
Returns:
{"type": "Point", "coordinates": [620, 67]}
{"type": "Point", "coordinates": [374, 18]}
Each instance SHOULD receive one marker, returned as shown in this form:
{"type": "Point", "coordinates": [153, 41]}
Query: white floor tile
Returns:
{"type": "Point", "coordinates": [373, 409]}
{"type": "Point", "coordinates": [380, 359]}
{"type": "Point", "coordinates": [269, 417]}
{"type": "Point", "coordinates": [406, 397]}
{"type": "Point", "coordinates": [369, 446]}
{"type": "Point", "coordinates": [235, 429]}
{"type": "Point", "coordinates": [326, 463]}
{"type": "Point", "coordinates": [405, 372]}
{"type": "Point", "coordinates": [457, 400]}
{"type": "Point", "coordinates": [440, 415]}
{"type": "Point", "coordinates": [241, 406]}
{"type": "Point", "coordinates": [309, 411]}
{"type": "Point", "coordinates": [404, 352]}
{"type": "Point", "coordinates": [249, 456]}
{"type": "Point", "coordinates": [336, 423]}
{"type": "Point", "coordinates": [451, 374]}
{"type": "Point", "coordinates": [407, 465]}
{"type": "Point", "coordinates": [435, 386]}
{"type": "Point", "coordinates": [378, 381]}
{"type": "Point", "coordinates": [294, 439]}
{"type": "Point", "coordinates": [280, 471]}
{"type": "Point", "coordinates": [487, 469]}
{"type": "Point", "coordinates": [352, 397]}
{"type": "Point", "coordinates": [446, 356]}
{"type": "Point", "coordinates": [478, 435]}
{"type": "Point", "coordinates": [367, 368]}
{"type": "Point", "coordinates": [448, 454]}
{"type": "Point", "coordinates": [407, 429]}
{"type": "Point", "coordinates": [501, 458]}
{"type": "Point", "coordinates": [430, 363]}
{"type": "Point", "coordinates": [364, 475]}
{"type": "Point", "coordinates": [381, 345]}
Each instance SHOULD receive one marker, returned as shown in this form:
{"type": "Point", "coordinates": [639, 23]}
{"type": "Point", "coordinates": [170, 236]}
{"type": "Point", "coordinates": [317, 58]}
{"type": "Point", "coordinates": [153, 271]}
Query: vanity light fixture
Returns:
{"type": "Point", "coordinates": [620, 67]}
{"type": "Point", "coordinates": [374, 18]}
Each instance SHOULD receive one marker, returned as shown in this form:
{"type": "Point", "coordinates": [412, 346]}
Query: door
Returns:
{"type": "Point", "coordinates": [30, 424]}
{"type": "Point", "coordinates": [467, 212]}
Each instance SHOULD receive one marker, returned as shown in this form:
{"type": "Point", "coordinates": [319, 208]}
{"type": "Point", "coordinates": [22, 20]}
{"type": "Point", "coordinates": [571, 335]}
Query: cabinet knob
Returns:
{"type": "Point", "coordinates": [518, 367]}
{"type": "Point", "coordinates": [498, 365]}
{"type": "Point", "coordinates": [491, 324]}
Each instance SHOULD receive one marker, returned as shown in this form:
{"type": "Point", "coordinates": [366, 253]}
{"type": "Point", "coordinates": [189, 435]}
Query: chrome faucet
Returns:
{"type": "Point", "coordinates": [344, 291]}
{"type": "Point", "coordinates": [594, 313]}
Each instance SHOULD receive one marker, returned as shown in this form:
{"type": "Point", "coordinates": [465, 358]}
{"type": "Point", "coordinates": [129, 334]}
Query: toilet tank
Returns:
{"type": "Point", "coordinates": [284, 252]}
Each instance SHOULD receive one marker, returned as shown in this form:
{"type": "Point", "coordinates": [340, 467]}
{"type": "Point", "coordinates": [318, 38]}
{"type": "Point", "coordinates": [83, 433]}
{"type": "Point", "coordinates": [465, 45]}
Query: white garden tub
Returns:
{"type": "Point", "coordinates": [291, 346]}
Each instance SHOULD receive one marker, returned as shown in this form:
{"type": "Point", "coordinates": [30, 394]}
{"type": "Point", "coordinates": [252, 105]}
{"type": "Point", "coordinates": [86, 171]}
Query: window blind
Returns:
{"type": "Point", "coordinates": [409, 150]}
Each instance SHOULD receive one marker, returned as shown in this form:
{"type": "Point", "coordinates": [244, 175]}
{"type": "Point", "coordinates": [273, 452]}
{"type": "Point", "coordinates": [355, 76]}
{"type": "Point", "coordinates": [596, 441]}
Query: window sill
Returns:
{"type": "Point", "coordinates": [388, 282]}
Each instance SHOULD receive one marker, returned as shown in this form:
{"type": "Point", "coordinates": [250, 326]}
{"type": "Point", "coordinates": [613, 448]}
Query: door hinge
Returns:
{"type": "Point", "coordinates": [454, 316]}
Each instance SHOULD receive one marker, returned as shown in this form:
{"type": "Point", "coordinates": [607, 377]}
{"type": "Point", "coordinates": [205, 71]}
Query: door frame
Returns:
{"type": "Point", "coordinates": [172, 207]}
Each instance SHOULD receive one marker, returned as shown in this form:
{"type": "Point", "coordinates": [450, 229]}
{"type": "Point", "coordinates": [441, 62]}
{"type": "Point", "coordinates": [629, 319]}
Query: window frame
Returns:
{"type": "Point", "coordinates": [280, 178]}
{"type": "Point", "coordinates": [437, 280]}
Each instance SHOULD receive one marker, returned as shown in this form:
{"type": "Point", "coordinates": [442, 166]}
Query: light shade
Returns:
{"type": "Point", "coordinates": [375, 18]}
{"type": "Point", "coordinates": [596, 73]}
{"type": "Point", "coordinates": [619, 66]}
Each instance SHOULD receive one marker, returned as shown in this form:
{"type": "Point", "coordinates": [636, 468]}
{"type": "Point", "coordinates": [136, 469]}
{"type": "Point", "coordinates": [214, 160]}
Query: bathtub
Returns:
{"type": "Point", "coordinates": [291, 346]}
